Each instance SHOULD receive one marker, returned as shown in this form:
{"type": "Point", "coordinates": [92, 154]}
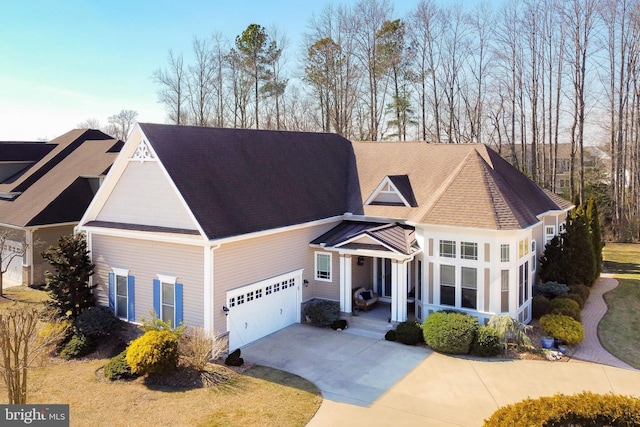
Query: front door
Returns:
{"type": "Point", "coordinates": [383, 277]}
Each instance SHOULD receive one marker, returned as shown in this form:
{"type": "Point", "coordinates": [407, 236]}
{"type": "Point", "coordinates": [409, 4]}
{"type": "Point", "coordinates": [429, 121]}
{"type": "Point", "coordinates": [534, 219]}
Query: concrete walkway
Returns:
{"type": "Point", "coordinates": [594, 310]}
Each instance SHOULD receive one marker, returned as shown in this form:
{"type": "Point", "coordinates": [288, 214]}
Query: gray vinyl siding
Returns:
{"type": "Point", "coordinates": [242, 263]}
{"type": "Point", "coordinates": [145, 260]}
{"type": "Point", "coordinates": [43, 239]}
{"type": "Point", "coordinates": [144, 195]}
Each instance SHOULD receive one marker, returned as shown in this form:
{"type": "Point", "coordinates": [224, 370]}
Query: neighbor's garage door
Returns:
{"type": "Point", "coordinates": [14, 272]}
{"type": "Point", "coordinates": [262, 308]}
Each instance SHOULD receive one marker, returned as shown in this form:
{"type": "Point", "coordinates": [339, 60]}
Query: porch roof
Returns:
{"type": "Point", "coordinates": [396, 237]}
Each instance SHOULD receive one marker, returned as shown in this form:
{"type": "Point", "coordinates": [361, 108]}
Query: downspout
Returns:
{"type": "Point", "coordinates": [209, 299]}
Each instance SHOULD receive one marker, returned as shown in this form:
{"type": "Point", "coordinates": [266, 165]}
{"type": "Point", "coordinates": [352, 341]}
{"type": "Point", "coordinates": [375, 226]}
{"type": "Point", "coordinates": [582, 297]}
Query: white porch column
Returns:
{"type": "Point", "coordinates": [345, 283]}
{"type": "Point", "coordinates": [398, 291]}
{"type": "Point", "coordinates": [27, 258]}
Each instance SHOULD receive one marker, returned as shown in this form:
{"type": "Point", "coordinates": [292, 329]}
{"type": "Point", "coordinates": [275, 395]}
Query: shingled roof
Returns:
{"type": "Point", "coordinates": [238, 181]}
{"type": "Point", "coordinates": [52, 190]}
{"type": "Point", "coordinates": [466, 185]}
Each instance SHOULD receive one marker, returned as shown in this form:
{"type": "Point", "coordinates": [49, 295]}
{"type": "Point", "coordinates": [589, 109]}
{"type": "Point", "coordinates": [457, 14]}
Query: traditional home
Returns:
{"type": "Point", "coordinates": [234, 229]}
{"type": "Point", "coordinates": [44, 190]}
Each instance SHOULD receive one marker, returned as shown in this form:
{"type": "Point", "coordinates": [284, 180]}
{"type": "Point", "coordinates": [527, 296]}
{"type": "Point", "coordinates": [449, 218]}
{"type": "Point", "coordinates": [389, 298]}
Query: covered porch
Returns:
{"type": "Point", "coordinates": [376, 256]}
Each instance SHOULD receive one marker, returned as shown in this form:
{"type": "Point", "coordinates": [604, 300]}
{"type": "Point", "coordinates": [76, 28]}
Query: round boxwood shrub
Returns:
{"type": "Point", "coordinates": [117, 368]}
{"type": "Point", "coordinates": [156, 352]}
{"type": "Point", "coordinates": [409, 333]}
{"type": "Point", "coordinates": [563, 328]}
{"type": "Point", "coordinates": [539, 306]}
{"type": "Point", "coordinates": [450, 332]}
{"type": "Point", "coordinates": [322, 312]}
{"type": "Point", "coordinates": [79, 345]}
{"type": "Point", "coordinates": [487, 342]}
{"type": "Point", "coordinates": [583, 409]}
{"type": "Point", "coordinates": [565, 306]}
{"type": "Point", "coordinates": [577, 298]}
{"type": "Point", "coordinates": [96, 321]}
{"type": "Point", "coordinates": [390, 335]}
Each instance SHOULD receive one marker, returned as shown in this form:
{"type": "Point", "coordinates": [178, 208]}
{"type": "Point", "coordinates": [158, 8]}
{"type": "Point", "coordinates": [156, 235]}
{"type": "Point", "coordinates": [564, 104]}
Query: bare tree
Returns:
{"type": "Point", "coordinates": [200, 80]}
{"type": "Point", "coordinates": [91, 123]}
{"type": "Point", "coordinates": [121, 124]}
{"type": "Point", "coordinates": [23, 340]}
{"type": "Point", "coordinates": [173, 88]}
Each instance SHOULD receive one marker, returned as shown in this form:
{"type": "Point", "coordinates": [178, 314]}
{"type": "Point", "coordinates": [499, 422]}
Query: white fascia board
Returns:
{"type": "Point", "coordinates": [470, 230]}
{"type": "Point", "coordinates": [363, 234]}
{"type": "Point", "coordinates": [195, 240]}
{"type": "Point", "coordinates": [272, 231]}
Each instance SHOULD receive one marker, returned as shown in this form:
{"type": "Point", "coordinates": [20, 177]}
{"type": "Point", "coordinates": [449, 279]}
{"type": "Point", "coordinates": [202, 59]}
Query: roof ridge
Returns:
{"type": "Point", "coordinates": [441, 190]}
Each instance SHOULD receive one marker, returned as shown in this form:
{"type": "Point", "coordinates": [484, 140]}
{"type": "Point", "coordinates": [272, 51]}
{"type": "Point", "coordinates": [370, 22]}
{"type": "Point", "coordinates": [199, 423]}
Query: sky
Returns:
{"type": "Point", "coordinates": [63, 62]}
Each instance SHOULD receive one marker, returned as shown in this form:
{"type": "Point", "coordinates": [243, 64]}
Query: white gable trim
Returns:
{"type": "Point", "coordinates": [129, 150]}
{"type": "Point", "coordinates": [380, 188]}
{"type": "Point", "coordinates": [363, 235]}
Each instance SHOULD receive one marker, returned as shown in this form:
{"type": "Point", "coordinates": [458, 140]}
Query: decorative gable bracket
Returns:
{"type": "Point", "coordinates": [143, 153]}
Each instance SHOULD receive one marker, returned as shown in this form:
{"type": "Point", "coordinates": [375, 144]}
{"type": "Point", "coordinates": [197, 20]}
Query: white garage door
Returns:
{"type": "Point", "coordinates": [14, 272]}
{"type": "Point", "coordinates": [262, 308]}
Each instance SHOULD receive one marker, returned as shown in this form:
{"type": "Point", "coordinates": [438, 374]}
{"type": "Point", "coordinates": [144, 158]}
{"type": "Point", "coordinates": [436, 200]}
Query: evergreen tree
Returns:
{"type": "Point", "coordinates": [578, 246]}
{"type": "Point", "coordinates": [593, 220]}
{"type": "Point", "coordinates": [553, 262]}
{"type": "Point", "coordinates": [69, 286]}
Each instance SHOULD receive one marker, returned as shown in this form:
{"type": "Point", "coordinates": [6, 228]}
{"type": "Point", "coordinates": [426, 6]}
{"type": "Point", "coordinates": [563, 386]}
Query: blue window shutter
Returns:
{"type": "Point", "coordinates": [178, 303]}
{"type": "Point", "coordinates": [156, 297]}
{"type": "Point", "coordinates": [112, 292]}
{"type": "Point", "coordinates": [131, 312]}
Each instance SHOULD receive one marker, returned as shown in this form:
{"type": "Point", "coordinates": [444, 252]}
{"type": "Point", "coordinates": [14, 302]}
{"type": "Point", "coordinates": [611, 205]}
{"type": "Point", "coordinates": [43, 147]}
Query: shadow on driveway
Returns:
{"type": "Point", "coordinates": [346, 368]}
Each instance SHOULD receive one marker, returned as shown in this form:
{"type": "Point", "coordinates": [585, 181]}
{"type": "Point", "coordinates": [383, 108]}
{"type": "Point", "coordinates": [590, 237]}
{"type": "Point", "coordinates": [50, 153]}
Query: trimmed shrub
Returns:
{"type": "Point", "coordinates": [539, 306]}
{"type": "Point", "coordinates": [409, 333]}
{"type": "Point", "coordinates": [550, 289]}
{"type": "Point", "coordinates": [117, 368]}
{"type": "Point", "coordinates": [577, 298]}
{"type": "Point", "coordinates": [390, 335]}
{"type": "Point", "coordinates": [96, 321]}
{"type": "Point", "coordinates": [583, 409]}
{"type": "Point", "coordinates": [487, 342]}
{"type": "Point", "coordinates": [79, 345]}
{"type": "Point", "coordinates": [581, 290]}
{"type": "Point", "coordinates": [156, 352]}
{"type": "Point", "coordinates": [563, 328]}
{"type": "Point", "coordinates": [565, 306]}
{"type": "Point", "coordinates": [450, 332]}
{"type": "Point", "coordinates": [322, 312]}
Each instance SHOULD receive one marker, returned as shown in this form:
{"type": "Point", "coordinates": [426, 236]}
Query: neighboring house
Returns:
{"type": "Point", "coordinates": [44, 190]}
{"type": "Point", "coordinates": [596, 159]}
{"type": "Point", "coordinates": [233, 229]}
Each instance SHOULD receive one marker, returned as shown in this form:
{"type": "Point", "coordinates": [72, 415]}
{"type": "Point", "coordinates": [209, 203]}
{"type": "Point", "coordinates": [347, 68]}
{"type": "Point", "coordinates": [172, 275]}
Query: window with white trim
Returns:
{"type": "Point", "coordinates": [523, 284]}
{"type": "Point", "coordinates": [448, 285]}
{"type": "Point", "coordinates": [504, 291]}
{"type": "Point", "coordinates": [323, 266]}
{"type": "Point", "coordinates": [549, 232]}
{"type": "Point", "coordinates": [122, 296]}
{"type": "Point", "coordinates": [168, 305]}
{"type": "Point", "coordinates": [447, 248]}
{"type": "Point", "coordinates": [534, 254]}
{"type": "Point", "coordinates": [523, 247]}
{"type": "Point", "coordinates": [469, 286]}
{"type": "Point", "coordinates": [468, 250]}
{"type": "Point", "coordinates": [505, 252]}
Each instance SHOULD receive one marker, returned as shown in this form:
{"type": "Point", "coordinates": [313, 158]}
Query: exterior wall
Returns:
{"type": "Point", "coordinates": [143, 195]}
{"type": "Point", "coordinates": [145, 260]}
{"type": "Point", "coordinates": [488, 269]}
{"type": "Point", "coordinates": [245, 262]}
{"type": "Point", "coordinates": [362, 275]}
{"type": "Point", "coordinates": [44, 238]}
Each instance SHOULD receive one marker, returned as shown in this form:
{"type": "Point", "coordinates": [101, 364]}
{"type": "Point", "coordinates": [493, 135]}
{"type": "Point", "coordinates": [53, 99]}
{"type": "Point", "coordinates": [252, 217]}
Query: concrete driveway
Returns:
{"type": "Point", "coordinates": [370, 382]}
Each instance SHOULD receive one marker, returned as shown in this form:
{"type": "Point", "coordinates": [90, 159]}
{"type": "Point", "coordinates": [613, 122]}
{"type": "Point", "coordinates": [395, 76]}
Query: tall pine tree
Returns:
{"type": "Point", "coordinates": [69, 285]}
{"type": "Point", "coordinates": [593, 221]}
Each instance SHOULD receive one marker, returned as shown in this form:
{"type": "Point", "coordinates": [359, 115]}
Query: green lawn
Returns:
{"type": "Point", "coordinates": [619, 330]}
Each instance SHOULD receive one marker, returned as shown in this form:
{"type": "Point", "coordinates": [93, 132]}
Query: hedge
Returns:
{"type": "Point", "coordinates": [583, 409]}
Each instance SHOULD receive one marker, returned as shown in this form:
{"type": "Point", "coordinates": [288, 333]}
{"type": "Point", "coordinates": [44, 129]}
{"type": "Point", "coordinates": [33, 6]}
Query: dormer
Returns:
{"type": "Point", "coordinates": [394, 190]}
